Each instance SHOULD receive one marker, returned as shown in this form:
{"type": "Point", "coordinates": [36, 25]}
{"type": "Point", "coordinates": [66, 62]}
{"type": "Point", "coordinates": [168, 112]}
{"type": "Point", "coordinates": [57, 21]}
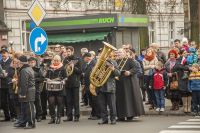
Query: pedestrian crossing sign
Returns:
{"type": "Point", "coordinates": [36, 12]}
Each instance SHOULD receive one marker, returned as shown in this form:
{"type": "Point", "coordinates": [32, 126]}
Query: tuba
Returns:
{"type": "Point", "coordinates": [101, 71]}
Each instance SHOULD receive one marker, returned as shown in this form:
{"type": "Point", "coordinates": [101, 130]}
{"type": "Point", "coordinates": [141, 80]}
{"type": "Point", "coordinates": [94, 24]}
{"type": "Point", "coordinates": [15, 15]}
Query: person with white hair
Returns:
{"type": "Point", "coordinates": [55, 92]}
{"type": "Point", "coordinates": [83, 51]}
{"type": "Point", "coordinates": [184, 43]}
{"type": "Point", "coordinates": [93, 54]}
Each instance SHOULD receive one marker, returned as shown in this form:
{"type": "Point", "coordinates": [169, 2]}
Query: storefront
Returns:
{"type": "Point", "coordinates": [89, 31]}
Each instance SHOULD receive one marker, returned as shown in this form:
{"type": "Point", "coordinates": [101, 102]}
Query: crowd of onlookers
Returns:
{"type": "Point", "coordinates": [174, 76]}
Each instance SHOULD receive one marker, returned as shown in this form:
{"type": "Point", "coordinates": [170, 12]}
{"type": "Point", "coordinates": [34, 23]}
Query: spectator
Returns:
{"type": "Point", "coordinates": [194, 86]}
{"type": "Point", "coordinates": [159, 82]}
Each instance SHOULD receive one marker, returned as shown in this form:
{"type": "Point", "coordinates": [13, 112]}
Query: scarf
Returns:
{"type": "Point", "coordinates": [149, 58]}
{"type": "Point", "coordinates": [55, 67]}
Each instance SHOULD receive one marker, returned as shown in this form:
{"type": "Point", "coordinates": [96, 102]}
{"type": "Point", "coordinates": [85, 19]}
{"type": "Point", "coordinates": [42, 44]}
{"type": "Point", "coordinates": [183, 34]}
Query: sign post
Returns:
{"type": "Point", "coordinates": [38, 38]}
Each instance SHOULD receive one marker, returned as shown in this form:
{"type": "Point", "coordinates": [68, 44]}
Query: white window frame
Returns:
{"type": "Point", "coordinates": [171, 29]}
{"type": "Point", "coordinates": [152, 32]}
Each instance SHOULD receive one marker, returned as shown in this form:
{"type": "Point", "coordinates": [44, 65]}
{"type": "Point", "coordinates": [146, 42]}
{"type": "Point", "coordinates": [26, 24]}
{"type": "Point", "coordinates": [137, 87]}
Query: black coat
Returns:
{"type": "Point", "coordinates": [110, 85]}
{"type": "Point", "coordinates": [5, 66]}
{"type": "Point", "coordinates": [128, 96]}
{"type": "Point", "coordinates": [87, 71]}
{"type": "Point", "coordinates": [39, 77]}
{"type": "Point", "coordinates": [73, 80]}
{"type": "Point", "coordinates": [27, 84]}
{"type": "Point", "coordinates": [181, 69]}
{"type": "Point", "coordinates": [57, 73]}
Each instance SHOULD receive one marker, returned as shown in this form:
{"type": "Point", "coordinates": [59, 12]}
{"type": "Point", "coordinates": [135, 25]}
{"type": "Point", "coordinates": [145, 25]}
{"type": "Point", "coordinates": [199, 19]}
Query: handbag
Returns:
{"type": "Point", "coordinates": [174, 83]}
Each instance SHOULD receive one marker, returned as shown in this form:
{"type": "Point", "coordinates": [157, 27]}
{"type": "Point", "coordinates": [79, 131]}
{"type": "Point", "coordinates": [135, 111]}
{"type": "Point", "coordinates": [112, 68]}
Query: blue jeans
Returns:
{"type": "Point", "coordinates": [160, 98]}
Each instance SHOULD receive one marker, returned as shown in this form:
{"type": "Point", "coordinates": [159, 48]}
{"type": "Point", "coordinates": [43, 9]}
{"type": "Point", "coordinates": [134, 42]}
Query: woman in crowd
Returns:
{"type": "Point", "coordinates": [56, 72]}
{"type": "Point", "coordinates": [149, 62]}
{"type": "Point", "coordinates": [174, 92]}
{"type": "Point", "coordinates": [182, 70]}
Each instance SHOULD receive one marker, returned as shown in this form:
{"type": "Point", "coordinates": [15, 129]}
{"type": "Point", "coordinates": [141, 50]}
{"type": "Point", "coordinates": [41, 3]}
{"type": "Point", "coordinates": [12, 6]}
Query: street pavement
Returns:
{"type": "Point", "coordinates": [189, 126]}
{"type": "Point", "coordinates": [145, 124]}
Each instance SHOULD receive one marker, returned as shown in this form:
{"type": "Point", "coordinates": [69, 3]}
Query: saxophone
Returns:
{"type": "Point", "coordinates": [101, 71]}
{"type": "Point", "coordinates": [15, 84]}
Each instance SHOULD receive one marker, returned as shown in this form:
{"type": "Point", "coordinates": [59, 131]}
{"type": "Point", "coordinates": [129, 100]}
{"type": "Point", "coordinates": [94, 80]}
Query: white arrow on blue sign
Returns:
{"type": "Point", "coordinates": [38, 41]}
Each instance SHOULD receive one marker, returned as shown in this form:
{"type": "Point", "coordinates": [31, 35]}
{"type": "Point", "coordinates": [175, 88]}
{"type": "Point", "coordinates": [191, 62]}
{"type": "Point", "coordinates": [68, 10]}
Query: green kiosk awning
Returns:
{"type": "Point", "coordinates": [78, 37]}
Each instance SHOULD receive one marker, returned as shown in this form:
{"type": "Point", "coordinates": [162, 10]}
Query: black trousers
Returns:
{"type": "Point", "coordinates": [72, 96]}
{"type": "Point", "coordinates": [38, 104]}
{"type": "Point", "coordinates": [43, 97]}
{"type": "Point", "coordinates": [13, 107]}
{"type": "Point", "coordinates": [94, 104]}
{"type": "Point", "coordinates": [4, 95]}
{"type": "Point", "coordinates": [27, 113]}
{"type": "Point", "coordinates": [107, 99]}
{"type": "Point", "coordinates": [55, 100]}
{"type": "Point", "coordinates": [196, 100]}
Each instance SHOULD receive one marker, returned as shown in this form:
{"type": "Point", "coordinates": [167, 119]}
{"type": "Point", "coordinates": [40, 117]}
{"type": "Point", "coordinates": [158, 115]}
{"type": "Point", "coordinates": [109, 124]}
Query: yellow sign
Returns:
{"type": "Point", "coordinates": [118, 3]}
{"type": "Point", "coordinates": [36, 12]}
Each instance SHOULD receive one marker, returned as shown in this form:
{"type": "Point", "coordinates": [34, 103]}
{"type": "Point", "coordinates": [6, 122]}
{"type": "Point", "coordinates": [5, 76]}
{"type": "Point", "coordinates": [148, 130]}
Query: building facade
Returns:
{"type": "Point", "coordinates": [165, 24]}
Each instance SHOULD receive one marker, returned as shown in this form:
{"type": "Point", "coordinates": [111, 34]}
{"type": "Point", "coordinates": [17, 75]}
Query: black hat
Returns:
{"type": "Point", "coordinates": [4, 50]}
{"type": "Point", "coordinates": [32, 59]}
{"type": "Point", "coordinates": [133, 50]}
{"type": "Point", "coordinates": [23, 59]}
{"type": "Point", "coordinates": [87, 55]}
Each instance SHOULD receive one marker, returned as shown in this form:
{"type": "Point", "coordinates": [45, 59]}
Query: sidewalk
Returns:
{"type": "Point", "coordinates": [85, 111]}
{"type": "Point", "coordinates": [168, 112]}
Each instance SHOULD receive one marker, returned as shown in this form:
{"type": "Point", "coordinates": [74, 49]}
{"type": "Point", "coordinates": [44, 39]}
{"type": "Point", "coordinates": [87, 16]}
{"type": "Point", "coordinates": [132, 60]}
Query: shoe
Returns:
{"type": "Point", "coordinates": [93, 118]}
{"type": "Point", "coordinates": [39, 119]}
{"type": "Point", "coordinates": [103, 122]}
{"type": "Point", "coordinates": [19, 125]}
{"type": "Point", "coordinates": [129, 118]}
{"type": "Point", "coordinates": [151, 107]}
{"type": "Point", "coordinates": [157, 109]}
{"type": "Point", "coordinates": [12, 119]}
{"type": "Point", "coordinates": [121, 119]}
{"type": "Point", "coordinates": [52, 121]}
{"type": "Point", "coordinates": [113, 122]}
{"type": "Point", "coordinates": [162, 109]}
{"type": "Point", "coordinates": [68, 119]}
{"type": "Point", "coordinates": [58, 120]}
{"type": "Point", "coordinates": [44, 118]}
{"type": "Point", "coordinates": [29, 126]}
{"type": "Point", "coordinates": [147, 103]}
{"type": "Point", "coordinates": [76, 119]}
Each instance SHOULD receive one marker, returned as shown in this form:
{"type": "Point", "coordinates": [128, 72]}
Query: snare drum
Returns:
{"type": "Point", "coordinates": [52, 85]}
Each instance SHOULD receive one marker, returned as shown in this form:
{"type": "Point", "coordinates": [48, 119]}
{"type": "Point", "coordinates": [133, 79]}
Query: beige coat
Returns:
{"type": "Point", "coordinates": [148, 65]}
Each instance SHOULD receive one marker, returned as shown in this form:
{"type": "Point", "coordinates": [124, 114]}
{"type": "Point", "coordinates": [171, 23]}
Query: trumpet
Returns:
{"type": "Point", "coordinates": [121, 65]}
{"type": "Point", "coordinates": [15, 84]}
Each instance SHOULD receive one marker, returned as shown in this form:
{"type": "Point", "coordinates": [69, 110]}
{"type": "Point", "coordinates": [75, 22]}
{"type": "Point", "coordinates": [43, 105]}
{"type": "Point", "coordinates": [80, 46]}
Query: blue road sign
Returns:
{"type": "Point", "coordinates": [38, 41]}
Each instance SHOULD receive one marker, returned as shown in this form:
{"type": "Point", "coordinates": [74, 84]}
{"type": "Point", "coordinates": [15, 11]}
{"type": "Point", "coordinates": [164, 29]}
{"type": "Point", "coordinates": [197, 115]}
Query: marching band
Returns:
{"type": "Point", "coordinates": [55, 80]}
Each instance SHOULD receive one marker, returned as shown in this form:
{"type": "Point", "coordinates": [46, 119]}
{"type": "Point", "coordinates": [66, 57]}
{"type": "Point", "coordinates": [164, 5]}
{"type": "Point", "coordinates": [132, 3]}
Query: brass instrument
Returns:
{"type": "Point", "coordinates": [121, 65]}
{"type": "Point", "coordinates": [15, 84]}
{"type": "Point", "coordinates": [101, 71]}
{"type": "Point", "coordinates": [70, 67]}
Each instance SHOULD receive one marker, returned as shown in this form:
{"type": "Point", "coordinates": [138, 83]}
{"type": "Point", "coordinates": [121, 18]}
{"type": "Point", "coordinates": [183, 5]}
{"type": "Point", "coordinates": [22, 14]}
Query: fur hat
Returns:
{"type": "Point", "coordinates": [23, 59]}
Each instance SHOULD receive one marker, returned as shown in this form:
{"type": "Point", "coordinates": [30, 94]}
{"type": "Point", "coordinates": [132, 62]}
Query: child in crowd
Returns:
{"type": "Point", "coordinates": [192, 56]}
{"type": "Point", "coordinates": [194, 86]}
{"type": "Point", "coordinates": [159, 82]}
